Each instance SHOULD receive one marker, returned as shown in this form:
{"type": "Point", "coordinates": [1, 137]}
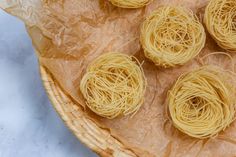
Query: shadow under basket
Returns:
{"type": "Point", "coordinates": [96, 138]}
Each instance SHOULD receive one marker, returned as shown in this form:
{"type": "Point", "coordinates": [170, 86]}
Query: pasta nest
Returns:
{"type": "Point", "coordinates": [114, 85]}
{"type": "Point", "coordinates": [202, 102]}
{"type": "Point", "coordinates": [172, 36]}
{"type": "Point", "coordinates": [130, 3]}
{"type": "Point", "coordinates": [220, 20]}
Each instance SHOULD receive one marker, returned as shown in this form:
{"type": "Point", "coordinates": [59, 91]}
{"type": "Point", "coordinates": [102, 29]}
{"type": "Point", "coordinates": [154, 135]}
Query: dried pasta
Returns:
{"type": "Point", "coordinates": [114, 85]}
{"type": "Point", "coordinates": [172, 36]}
{"type": "Point", "coordinates": [130, 3]}
{"type": "Point", "coordinates": [202, 102]}
{"type": "Point", "coordinates": [220, 20]}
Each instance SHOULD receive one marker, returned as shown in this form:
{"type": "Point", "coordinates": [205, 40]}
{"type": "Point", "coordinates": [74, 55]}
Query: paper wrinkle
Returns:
{"type": "Point", "coordinates": [69, 34]}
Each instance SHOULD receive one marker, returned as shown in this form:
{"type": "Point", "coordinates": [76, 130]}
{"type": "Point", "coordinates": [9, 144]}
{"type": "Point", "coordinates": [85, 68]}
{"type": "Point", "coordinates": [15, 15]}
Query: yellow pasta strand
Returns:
{"type": "Point", "coordinates": [114, 85]}
{"type": "Point", "coordinates": [130, 3]}
{"type": "Point", "coordinates": [202, 102]}
{"type": "Point", "coordinates": [172, 36]}
{"type": "Point", "coordinates": [220, 20]}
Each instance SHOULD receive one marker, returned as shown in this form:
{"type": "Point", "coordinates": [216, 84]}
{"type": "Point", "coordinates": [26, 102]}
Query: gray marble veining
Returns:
{"type": "Point", "coordinates": [29, 126]}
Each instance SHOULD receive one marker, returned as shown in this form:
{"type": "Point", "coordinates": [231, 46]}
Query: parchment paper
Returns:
{"type": "Point", "coordinates": [69, 34]}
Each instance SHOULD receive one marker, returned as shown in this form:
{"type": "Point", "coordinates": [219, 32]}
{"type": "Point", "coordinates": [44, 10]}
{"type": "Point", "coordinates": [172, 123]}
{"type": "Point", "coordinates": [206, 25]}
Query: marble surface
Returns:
{"type": "Point", "coordinates": [29, 126]}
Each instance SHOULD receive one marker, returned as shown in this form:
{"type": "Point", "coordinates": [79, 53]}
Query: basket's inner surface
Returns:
{"type": "Point", "coordinates": [69, 34]}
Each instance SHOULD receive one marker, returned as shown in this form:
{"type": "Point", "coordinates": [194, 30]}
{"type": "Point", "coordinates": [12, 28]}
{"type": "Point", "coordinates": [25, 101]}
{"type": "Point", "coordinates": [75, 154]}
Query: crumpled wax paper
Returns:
{"type": "Point", "coordinates": [69, 34]}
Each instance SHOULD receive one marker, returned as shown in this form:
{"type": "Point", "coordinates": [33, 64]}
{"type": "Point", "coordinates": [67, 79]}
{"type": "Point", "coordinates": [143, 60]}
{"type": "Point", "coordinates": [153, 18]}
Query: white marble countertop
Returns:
{"type": "Point", "coordinates": [29, 126]}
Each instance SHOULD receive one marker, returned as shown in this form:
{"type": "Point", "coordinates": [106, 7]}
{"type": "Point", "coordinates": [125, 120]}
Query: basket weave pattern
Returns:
{"type": "Point", "coordinates": [98, 139]}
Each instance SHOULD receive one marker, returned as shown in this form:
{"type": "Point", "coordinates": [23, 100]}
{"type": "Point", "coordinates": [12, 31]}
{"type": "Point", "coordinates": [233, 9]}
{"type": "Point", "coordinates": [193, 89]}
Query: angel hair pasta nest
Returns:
{"type": "Point", "coordinates": [202, 102]}
{"type": "Point", "coordinates": [114, 85]}
{"type": "Point", "coordinates": [172, 36]}
{"type": "Point", "coordinates": [220, 20]}
{"type": "Point", "coordinates": [130, 3]}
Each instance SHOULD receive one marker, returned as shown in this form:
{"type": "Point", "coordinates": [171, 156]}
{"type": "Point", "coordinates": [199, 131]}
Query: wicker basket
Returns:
{"type": "Point", "coordinates": [96, 138]}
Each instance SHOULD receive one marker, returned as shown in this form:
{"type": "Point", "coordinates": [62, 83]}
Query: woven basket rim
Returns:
{"type": "Point", "coordinates": [87, 131]}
